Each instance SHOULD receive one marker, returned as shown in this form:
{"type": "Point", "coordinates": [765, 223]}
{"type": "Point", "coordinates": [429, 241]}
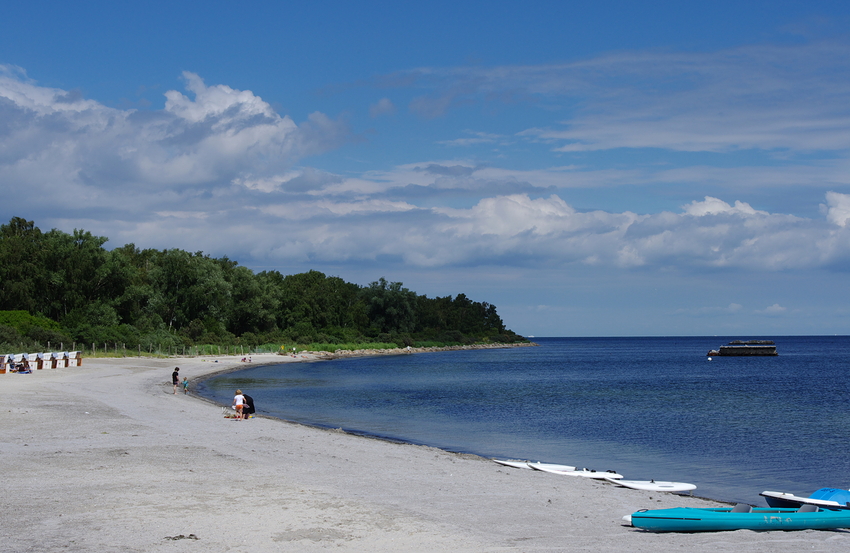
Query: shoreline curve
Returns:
{"type": "Point", "coordinates": [104, 457]}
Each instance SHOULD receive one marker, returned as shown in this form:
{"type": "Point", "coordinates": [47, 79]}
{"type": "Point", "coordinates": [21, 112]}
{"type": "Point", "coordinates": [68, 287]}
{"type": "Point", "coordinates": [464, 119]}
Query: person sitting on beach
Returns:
{"type": "Point", "coordinates": [238, 403]}
{"type": "Point", "coordinates": [248, 410]}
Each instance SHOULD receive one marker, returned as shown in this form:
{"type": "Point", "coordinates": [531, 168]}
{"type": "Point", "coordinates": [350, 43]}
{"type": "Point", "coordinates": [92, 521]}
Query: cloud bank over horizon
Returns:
{"type": "Point", "coordinates": [194, 173]}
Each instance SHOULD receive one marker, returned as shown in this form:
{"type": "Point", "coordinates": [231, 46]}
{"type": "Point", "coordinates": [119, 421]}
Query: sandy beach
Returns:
{"type": "Point", "coordinates": [105, 458]}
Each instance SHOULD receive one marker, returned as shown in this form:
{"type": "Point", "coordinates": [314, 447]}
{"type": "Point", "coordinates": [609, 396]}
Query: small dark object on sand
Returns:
{"type": "Point", "coordinates": [182, 537]}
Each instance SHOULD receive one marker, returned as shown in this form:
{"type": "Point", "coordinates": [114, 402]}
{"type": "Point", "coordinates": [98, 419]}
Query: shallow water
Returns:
{"type": "Point", "coordinates": [646, 407]}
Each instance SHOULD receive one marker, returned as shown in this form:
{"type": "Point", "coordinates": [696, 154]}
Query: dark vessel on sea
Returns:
{"type": "Point", "coordinates": [740, 348]}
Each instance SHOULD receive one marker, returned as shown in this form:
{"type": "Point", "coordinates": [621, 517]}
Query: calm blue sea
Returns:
{"type": "Point", "coordinates": [645, 407]}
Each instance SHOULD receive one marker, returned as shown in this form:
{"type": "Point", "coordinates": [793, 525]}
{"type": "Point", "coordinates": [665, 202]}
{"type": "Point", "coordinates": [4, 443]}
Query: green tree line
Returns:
{"type": "Point", "coordinates": [56, 286]}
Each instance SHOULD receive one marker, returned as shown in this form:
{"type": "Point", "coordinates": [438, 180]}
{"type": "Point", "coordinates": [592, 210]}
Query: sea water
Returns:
{"type": "Point", "coordinates": [649, 408]}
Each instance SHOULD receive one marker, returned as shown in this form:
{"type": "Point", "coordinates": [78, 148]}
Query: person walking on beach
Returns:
{"type": "Point", "coordinates": [185, 385]}
{"type": "Point", "coordinates": [238, 404]}
{"type": "Point", "coordinates": [175, 378]}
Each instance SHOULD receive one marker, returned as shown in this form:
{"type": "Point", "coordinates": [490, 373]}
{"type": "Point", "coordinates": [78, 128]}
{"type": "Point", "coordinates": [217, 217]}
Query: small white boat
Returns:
{"type": "Point", "coordinates": [550, 466]}
{"type": "Point", "coordinates": [585, 473]}
{"type": "Point", "coordinates": [512, 463]}
{"type": "Point", "coordinates": [653, 485]}
{"type": "Point", "coordinates": [824, 497]}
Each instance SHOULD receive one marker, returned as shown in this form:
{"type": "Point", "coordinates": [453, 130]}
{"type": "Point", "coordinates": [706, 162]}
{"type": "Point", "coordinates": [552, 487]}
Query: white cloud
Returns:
{"type": "Point", "coordinates": [476, 139]}
{"type": "Point", "coordinates": [384, 106]}
{"type": "Point", "coordinates": [837, 208]}
{"type": "Point", "coordinates": [322, 208]}
{"type": "Point", "coordinates": [714, 206]}
{"type": "Point", "coordinates": [518, 229]}
{"type": "Point", "coordinates": [766, 97]}
{"type": "Point", "coordinates": [774, 309]}
{"type": "Point", "coordinates": [211, 102]}
{"type": "Point", "coordinates": [217, 170]}
{"type": "Point", "coordinates": [90, 156]}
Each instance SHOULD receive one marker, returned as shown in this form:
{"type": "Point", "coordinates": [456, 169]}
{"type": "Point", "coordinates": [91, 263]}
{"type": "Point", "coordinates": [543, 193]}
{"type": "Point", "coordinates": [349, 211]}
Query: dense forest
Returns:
{"type": "Point", "coordinates": [59, 287]}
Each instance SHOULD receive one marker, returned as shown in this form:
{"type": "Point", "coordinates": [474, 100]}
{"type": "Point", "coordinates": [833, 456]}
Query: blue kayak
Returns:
{"type": "Point", "coordinates": [741, 517]}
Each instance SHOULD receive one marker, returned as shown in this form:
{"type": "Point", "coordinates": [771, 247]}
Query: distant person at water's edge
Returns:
{"type": "Point", "coordinates": [175, 378]}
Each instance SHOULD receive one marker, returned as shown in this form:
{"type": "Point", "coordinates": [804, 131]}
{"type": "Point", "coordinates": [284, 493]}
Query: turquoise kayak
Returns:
{"type": "Point", "coordinates": [741, 517]}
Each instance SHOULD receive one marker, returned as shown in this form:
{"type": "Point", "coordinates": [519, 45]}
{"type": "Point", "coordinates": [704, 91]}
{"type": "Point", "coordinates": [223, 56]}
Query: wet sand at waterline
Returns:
{"type": "Point", "coordinates": [105, 458]}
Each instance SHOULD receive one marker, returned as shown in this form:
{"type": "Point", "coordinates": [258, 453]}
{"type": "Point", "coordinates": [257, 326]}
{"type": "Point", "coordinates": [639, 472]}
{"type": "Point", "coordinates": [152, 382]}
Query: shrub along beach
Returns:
{"type": "Point", "coordinates": [57, 288]}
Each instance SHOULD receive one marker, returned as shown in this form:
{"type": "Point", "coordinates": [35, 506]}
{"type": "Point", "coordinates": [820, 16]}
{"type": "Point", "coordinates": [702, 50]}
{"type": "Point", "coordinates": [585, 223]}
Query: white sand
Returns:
{"type": "Point", "coordinates": [104, 458]}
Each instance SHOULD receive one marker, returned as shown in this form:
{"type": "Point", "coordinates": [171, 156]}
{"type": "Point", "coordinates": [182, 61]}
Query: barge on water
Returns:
{"type": "Point", "coordinates": [741, 348]}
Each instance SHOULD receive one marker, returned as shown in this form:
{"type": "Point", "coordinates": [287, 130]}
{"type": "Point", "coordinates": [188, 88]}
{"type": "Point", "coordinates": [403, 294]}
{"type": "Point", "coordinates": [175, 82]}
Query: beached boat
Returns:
{"type": "Point", "coordinates": [824, 497]}
{"type": "Point", "coordinates": [517, 464]}
{"type": "Point", "coordinates": [585, 473]}
{"type": "Point", "coordinates": [550, 466]}
{"type": "Point", "coordinates": [740, 517]}
{"type": "Point", "coordinates": [653, 485]}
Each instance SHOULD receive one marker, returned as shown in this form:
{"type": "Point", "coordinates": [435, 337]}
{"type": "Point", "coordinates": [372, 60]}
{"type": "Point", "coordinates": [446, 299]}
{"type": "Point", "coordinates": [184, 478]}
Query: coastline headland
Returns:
{"type": "Point", "coordinates": [104, 457]}
{"type": "Point", "coordinates": [339, 354]}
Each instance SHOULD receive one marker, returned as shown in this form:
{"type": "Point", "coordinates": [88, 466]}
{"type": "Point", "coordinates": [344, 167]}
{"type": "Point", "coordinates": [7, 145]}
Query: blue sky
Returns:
{"type": "Point", "coordinates": [605, 168]}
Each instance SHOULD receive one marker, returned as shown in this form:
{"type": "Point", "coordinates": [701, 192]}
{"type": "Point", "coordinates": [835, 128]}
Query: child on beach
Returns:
{"type": "Point", "coordinates": [238, 401]}
{"type": "Point", "coordinates": [185, 384]}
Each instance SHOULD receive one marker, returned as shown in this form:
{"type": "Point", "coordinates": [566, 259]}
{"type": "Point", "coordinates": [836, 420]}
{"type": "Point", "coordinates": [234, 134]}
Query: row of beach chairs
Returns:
{"type": "Point", "coordinates": [26, 362]}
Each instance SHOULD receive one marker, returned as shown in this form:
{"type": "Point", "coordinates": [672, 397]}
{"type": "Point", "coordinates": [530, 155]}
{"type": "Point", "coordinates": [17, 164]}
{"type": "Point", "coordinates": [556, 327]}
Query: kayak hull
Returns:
{"type": "Point", "coordinates": [688, 519]}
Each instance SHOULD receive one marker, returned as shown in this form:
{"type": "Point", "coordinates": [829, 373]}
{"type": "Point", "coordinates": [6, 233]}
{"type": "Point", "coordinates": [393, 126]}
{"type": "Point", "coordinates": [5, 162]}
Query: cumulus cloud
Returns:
{"type": "Point", "coordinates": [520, 230]}
{"type": "Point", "coordinates": [219, 170]}
{"type": "Point", "coordinates": [87, 155]}
{"type": "Point", "coordinates": [837, 208]}
{"type": "Point", "coordinates": [714, 206]}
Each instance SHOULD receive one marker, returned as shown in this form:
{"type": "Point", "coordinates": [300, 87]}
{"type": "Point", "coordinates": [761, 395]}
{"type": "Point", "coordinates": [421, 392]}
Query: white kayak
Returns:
{"type": "Point", "coordinates": [586, 473]}
{"type": "Point", "coordinates": [654, 485]}
{"type": "Point", "coordinates": [789, 500]}
{"type": "Point", "coordinates": [550, 466]}
{"type": "Point", "coordinates": [514, 464]}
